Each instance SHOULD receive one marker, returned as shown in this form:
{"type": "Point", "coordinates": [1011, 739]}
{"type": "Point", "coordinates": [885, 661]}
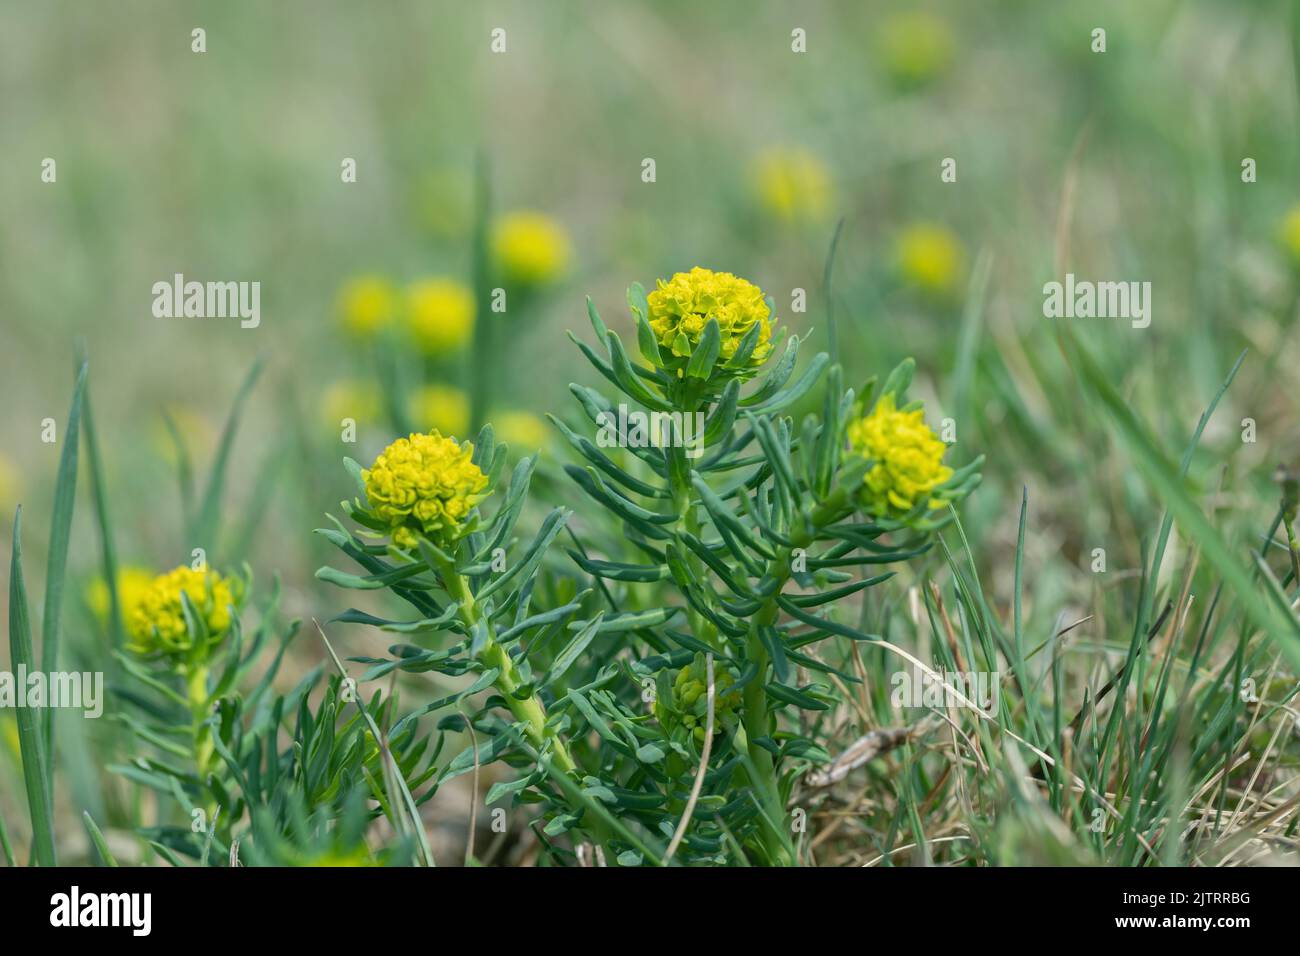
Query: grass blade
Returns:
{"type": "Point", "coordinates": [5, 846]}
{"type": "Point", "coordinates": [98, 839]}
{"type": "Point", "coordinates": [1166, 481]}
{"type": "Point", "coordinates": [65, 500]}
{"type": "Point", "coordinates": [29, 734]}
{"type": "Point", "coordinates": [210, 510]}
{"type": "Point", "coordinates": [833, 340]}
{"type": "Point", "coordinates": [108, 549]}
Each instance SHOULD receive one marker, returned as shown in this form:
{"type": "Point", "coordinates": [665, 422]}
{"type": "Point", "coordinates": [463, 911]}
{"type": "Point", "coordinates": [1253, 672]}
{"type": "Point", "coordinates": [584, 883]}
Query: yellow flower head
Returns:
{"type": "Point", "coordinates": [440, 313]}
{"type": "Point", "coordinates": [1289, 234]}
{"type": "Point", "coordinates": [793, 185]}
{"type": "Point", "coordinates": [521, 430]}
{"type": "Point", "coordinates": [908, 458]}
{"type": "Point", "coordinates": [157, 621]}
{"type": "Point", "coordinates": [530, 248]}
{"type": "Point", "coordinates": [931, 258]}
{"type": "Point", "coordinates": [440, 408]}
{"type": "Point", "coordinates": [681, 307]}
{"type": "Point", "coordinates": [688, 704]}
{"type": "Point", "coordinates": [426, 484]}
{"type": "Point", "coordinates": [132, 583]}
{"type": "Point", "coordinates": [367, 305]}
{"type": "Point", "coordinates": [359, 401]}
{"type": "Point", "coordinates": [916, 46]}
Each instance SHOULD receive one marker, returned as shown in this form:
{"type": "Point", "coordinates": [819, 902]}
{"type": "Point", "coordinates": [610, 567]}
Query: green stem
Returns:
{"type": "Point", "coordinates": [756, 717]}
{"type": "Point", "coordinates": [196, 692]}
{"type": "Point", "coordinates": [679, 485]}
{"type": "Point", "coordinates": [528, 710]}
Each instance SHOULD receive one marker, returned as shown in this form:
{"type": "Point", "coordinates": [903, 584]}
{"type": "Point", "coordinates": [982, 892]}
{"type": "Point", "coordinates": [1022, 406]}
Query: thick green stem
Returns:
{"type": "Point", "coordinates": [679, 486]}
{"type": "Point", "coordinates": [527, 710]}
{"type": "Point", "coordinates": [196, 693]}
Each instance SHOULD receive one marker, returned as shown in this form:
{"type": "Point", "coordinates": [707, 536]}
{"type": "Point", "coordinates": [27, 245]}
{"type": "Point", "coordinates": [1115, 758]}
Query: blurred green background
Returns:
{"type": "Point", "coordinates": [225, 165]}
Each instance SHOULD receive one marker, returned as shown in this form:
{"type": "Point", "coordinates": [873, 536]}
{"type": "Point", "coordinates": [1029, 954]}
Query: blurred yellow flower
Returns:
{"type": "Point", "coordinates": [132, 583]}
{"type": "Point", "coordinates": [1290, 233]}
{"type": "Point", "coordinates": [157, 622]}
{"type": "Point", "coordinates": [681, 308]}
{"type": "Point", "coordinates": [931, 258]}
{"type": "Point", "coordinates": [360, 401]}
{"type": "Point", "coordinates": [530, 248]}
{"type": "Point", "coordinates": [9, 734]}
{"type": "Point", "coordinates": [367, 305]}
{"type": "Point", "coordinates": [440, 313]}
{"type": "Point", "coordinates": [424, 483]}
{"type": "Point", "coordinates": [440, 408]}
{"type": "Point", "coordinates": [11, 488]}
{"type": "Point", "coordinates": [908, 458]}
{"type": "Point", "coordinates": [793, 184]}
{"type": "Point", "coordinates": [915, 46]}
{"type": "Point", "coordinates": [522, 431]}
{"type": "Point", "coordinates": [194, 430]}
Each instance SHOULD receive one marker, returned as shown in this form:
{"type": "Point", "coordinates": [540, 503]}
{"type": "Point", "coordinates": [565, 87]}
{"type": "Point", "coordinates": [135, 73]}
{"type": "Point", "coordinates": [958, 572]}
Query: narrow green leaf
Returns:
{"type": "Point", "coordinates": [107, 542]}
{"type": "Point", "coordinates": [210, 511]}
{"type": "Point", "coordinates": [798, 390]}
{"type": "Point", "coordinates": [98, 839]}
{"type": "Point", "coordinates": [573, 650]}
{"type": "Point", "coordinates": [705, 354]}
{"type": "Point", "coordinates": [1164, 478]}
{"type": "Point", "coordinates": [30, 742]}
{"type": "Point", "coordinates": [5, 846]}
{"type": "Point", "coordinates": [65, 499]}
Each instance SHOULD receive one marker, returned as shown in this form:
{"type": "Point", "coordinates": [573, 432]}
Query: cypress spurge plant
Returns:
{"type": "Point", "coordinates": [208, 725]}
{"type": "Point", "coordinates": [176, 624]}
{"type": "Point", "coordinates": [723, 529]}
{"type": "Point", "coordinates": [726, 540]}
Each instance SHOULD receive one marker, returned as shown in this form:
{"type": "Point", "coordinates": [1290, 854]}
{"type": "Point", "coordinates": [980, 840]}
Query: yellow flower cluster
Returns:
{"type": "Point", "coordinates": [440, 313]}
{"type": "Point", "coordinates": [132, 583]}
{"type": "Point", "coordinates": [530, 248]}
{"type": "Point", "coordinates": [156, 622]}
{"type": "Point", "coordinates": [931, 258]}
{"type": "Point", "coordinates": [793, 185]}
{"type": "Point", "coordinates": [681, 307]}
{"type": "Point", "coordinates": [689, 705]}
{"type": "Point", "coordinates": [908, 458]}
{"type": "Point", "coordinates": [366, 305]}
{"type": "Point", "coordinates": [425, 483]}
